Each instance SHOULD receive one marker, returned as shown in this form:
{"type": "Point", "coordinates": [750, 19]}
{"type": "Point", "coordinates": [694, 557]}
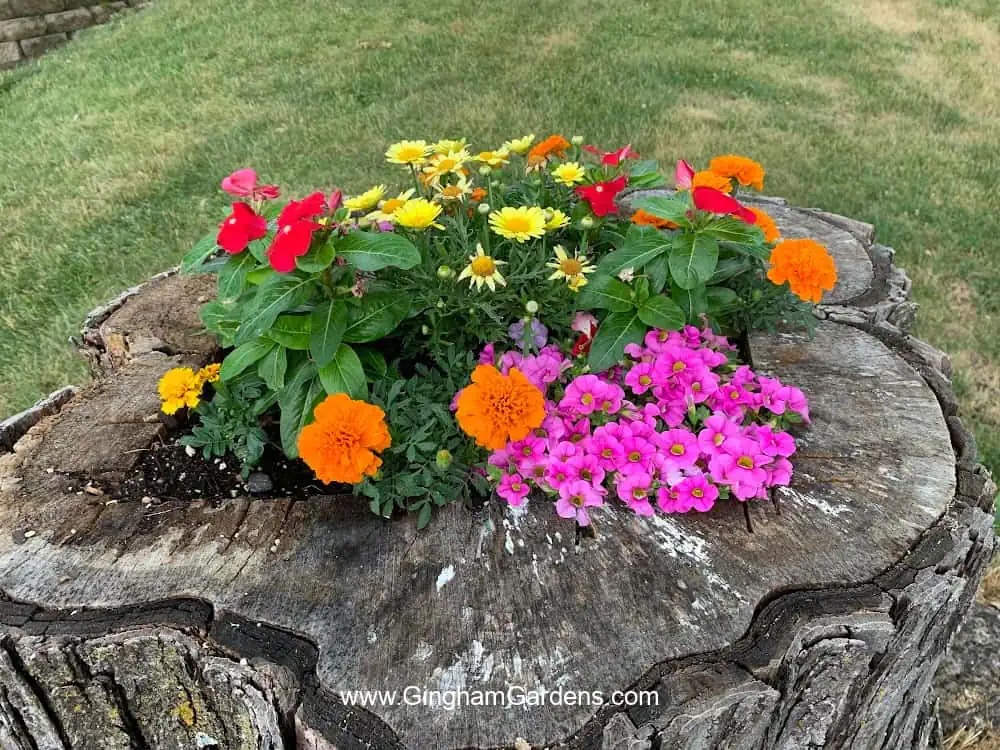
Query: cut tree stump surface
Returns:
{"type": "Point", "coordinates": [822, 627]}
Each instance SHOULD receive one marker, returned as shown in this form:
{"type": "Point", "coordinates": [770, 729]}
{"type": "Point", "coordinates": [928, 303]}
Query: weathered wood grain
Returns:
{"type": "Point", "coordinates": [821, 628]}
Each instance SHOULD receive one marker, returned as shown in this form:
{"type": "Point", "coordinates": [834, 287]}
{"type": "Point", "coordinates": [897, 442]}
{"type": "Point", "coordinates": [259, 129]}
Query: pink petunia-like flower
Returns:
{"type": "Point", "coordinates": [583, 395]}
{"type": "Point", "coordinates": [240, 228]}
{"type": "Point", "coordinates": [680, 448]}
{"type": "Point", "coordinates": [487, 355]}
{"type": "Point", "coordinates": [716, 429]}
{"type": "Point", "coordinates": [779, 473]}
{"type": "Point", "coordinates": [243, 184]}
{"type": "Point", "coordinates": [586, 466]}
{"type": "Point", "coordinates": [558, 473]}
{"type": "Point", "coordinates": [639, 453]}
{"type": "Point", "coordinates": [612, 399]}
{"type": "Point", "coordinates": [640, 378]}
{"type": "Point", "coordinates": [530, 449]}
{"type": "Point", "coordinates": [635, 490]}
{"type": "Point", "coordinates": [576, 497]}
{"type": "Point", "coordinates": [513, 489]}
{"type": "Point", "coordinates": [563, 450]}
{"type": "Point", "coordinates": [666, 499]}
{"type": "Point", "coordinates": [608, 449]}
{"type": "Point", "coordinates": [741, 465]}
{"type": "Point", "coordinates": [695, 492]}
{"type": "Point", "coordinates": [535, 469]}
{"type": "Point", "coordinates": [774, 443]}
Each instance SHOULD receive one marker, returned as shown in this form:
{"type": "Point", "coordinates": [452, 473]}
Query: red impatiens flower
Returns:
{"type": "Point", "coordinates": [295, 231]}
{"type": "Point", "coordinates": [601, 196]}
{"type": "Point", "coordinates": [683, 174]}
{"type": "Point", "coordinates": [613, 158]}
{"type": "Point", "coordinates": [240, 228]}
{"type": "Point", "coordinates": [243, 183]}
{"type": "Point", "coordinates": [717, 202]}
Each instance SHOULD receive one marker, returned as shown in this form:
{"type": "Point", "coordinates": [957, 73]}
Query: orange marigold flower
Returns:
{"type": "Point", "coordinates": [745, 171]}
{"type": "Point", "coordinates": [340, 445]}
{"type": "Point", "coordinates": [554, 145]}
{"type": "Point", "coordinates": [805, 265]}
{"type": "Point", "coordinates": [646, 219]}
{"type": "Point", "coordinates": [708, 178]}
{"type": "Point", "coordinates": [498, 408]}
{"type": "Point", "coordinates": [478, 194]}
{"type": "Point", "coordinates": [766, 224]}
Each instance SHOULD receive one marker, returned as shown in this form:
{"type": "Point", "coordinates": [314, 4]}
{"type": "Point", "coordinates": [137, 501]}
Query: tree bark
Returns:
{"type": "Point", "coordinates": [236, 622]}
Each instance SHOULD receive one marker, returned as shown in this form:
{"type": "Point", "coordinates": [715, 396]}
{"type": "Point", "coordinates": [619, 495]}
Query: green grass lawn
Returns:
{"type": "Point", "coordinates": [112, 148]}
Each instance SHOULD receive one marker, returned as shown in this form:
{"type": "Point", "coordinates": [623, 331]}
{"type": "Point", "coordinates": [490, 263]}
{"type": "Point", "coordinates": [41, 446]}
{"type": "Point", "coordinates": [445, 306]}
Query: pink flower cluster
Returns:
{"type": "Point", "coordinates": [674, 428]}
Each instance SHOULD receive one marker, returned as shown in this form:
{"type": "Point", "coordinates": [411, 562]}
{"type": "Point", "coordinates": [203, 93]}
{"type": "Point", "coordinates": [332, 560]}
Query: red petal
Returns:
{"type": "Point", "coordinates": [307, 208]}
{"type": "Point", "coordinates": [289, 243]}
{"type": "Point", "coordinates": [232, 238]}
{"type": "Point", "coordinates": [714, 201]}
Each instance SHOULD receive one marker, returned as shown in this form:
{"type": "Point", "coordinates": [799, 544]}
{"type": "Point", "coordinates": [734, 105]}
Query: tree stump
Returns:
{"type": "Point", "coordinates": [237, 622]}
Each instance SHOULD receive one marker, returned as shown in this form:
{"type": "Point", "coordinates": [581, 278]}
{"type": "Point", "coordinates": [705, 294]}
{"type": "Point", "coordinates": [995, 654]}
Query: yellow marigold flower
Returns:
{"type": "Point", "coordinates": [209, 373]}
{"type": "Point", "coordinates": [494, 158]}
{"type": "Point", "coordinates": [367, 200]}
{"type": "Point", "coordinates": [418, 213]}
{"type": "Point", "coordinates": [519, 145]}
{"type": "Point", "coordinates": [179, 388]}
{"type": "Point", "coordinates": [745, 171]}
{"type": "Point", "coordinates": [454, 192]}
{"type": "Point", "coordinates": [407, 152]}
{"type": "Point", "coordinates": [569, 173]}
{"type": "Point", "coordinates": [520, 224]}
{"type": "Point", "coordinates": [483, 269]}
{"type": "Point", "coordinates": [555, 219]}
{"type": "Point", "coordinates": [710, 179]}
{"type": "Point", "coordinates": [572, 268]}
{"type": "Point", "coordinates": [445, 145]}
{"type": "Point", "coordinates": [448, 163]}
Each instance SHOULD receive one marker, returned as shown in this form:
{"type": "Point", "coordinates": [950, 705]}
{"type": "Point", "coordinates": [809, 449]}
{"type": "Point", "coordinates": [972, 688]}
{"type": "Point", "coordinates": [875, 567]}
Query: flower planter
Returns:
{"type": "Point", "coordinates": [237, 621]}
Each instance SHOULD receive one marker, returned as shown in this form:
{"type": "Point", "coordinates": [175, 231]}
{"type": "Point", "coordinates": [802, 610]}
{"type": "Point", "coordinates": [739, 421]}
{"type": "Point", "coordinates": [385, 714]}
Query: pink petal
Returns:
{"type": "Point", "coordinates": [241, 182]}
{"type": "Point", "coordinates": [683, 174]}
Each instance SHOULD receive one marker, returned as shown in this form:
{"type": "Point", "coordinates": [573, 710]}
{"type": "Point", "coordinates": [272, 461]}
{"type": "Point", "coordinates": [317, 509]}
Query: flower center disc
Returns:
{"type": "Point", "coordinates": [483, 266]}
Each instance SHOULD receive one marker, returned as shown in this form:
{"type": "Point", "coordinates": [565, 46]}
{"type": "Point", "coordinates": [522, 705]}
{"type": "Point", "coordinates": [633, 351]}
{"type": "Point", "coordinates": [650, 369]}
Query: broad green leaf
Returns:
{"type": "Point", "coordinates": [693, 302]}
{"type": "Point", "coordinates": [344, 374]}
{"type": "Point", "coordinates": [373, 251]}
{"type": "Point", "coordinates": [273, 298]}
{"type": "Point", "coordinates": [220, 319]}
{"type": "Point", "coordinates": [641, 245]}
{"type": "Point", "coordinates": [729, 229]}
{"type": "Point", "coordinates": [658, 271]}
{"type": "Point", "coordinates": [203, 250]}
{"type": "Point", "coordinates": [616, 331]}
{"type": "Point", "coordinates": [728, 268]}
{"type": "Point", "coordinates": [319, 257]}
{"type": "Point", "coordinates": [721, 299]}
{"type": "Point", "coordinates": [272, 368]}
{"type": "Point", "coordinates": [243, 356]}
{"type": "Point", "coordinates": [258, 249]}
{"type": "Point", "coordinates": [751, 250]}
{"type": "Point", "coordinates": [661, 312]}
{"type": "Point", "coordinates": [604, 292]}
{"type": "Point", "coordinates": [328, 322]}
{"type": "Point", "coordinates": [373, 361]}
{"type": "Point", "coordinates": [424, 516]}
{"type": "Point", "coordinates": [258, 277]}
{"type": "Point", "coordinates": [670, 207]}
{"type": "Point", "coordinates": [375, 316]}
{"type": "Point", "coordinates": [693, 259]}
{"type": "Point", "coordinates": [291, 331]}
{"type": "Point", "coordinates": [233, 276]}
{"type": "Point", "coordinates": [293, 400]}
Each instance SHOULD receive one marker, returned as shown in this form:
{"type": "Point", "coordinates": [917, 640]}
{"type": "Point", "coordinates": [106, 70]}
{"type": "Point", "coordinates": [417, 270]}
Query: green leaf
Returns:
{"type": "Point", "coordinates": [721, 299]}
{"type": "Point", "coordinates": [670, 207]}
{"type": "Point", "coordinates": [258, 277]}
{"type": "Point", "coordinates": [728, 268]}
{"type": "Point", "coordinates": [374, 316]}
{"type": "Point", "coordinates": [243, 356]}
{"type": "Point", "coordinates": [424, 516]}
{"type": "Point", "coordinates": [604, 292]}
{"type": "Point", "coordinates": [318, 258]}
{"type": "Point", "coordinates": [693, 302]}
{"type": "Point", "coordinates": [373, 362]}
{"type": "Point", "coordinates": [661, 312]}
{"type": "Point", "coordinates": [344, 374]}
{"type": "Point", "coordinates": [291, 331]}
{"type": "Point", "coordinates": [617, 331]}
{"type": "Point", "coordinates": [273, 298]}
{"type": "Point", "coordinates": [328, 322]}
{"type": "Point", "coordinates": [221, 320]}
{"type": "Point", "coordinates": [658, 271]}
{"type": "Point", "coordinates": [233, 276]}
{"type": "Point", "coordinates": [641, 245]}
{"type": "Point", "coordinates": [272, 368]}
{"type": "Point", "coordinates": [373, 251]}
{"type": "Point", "coordinates": [258, 249]}
{"type": "Point", "coordinates": [729, 229]}
{"type": "Point", "coordinates": [693, 259]}
{"type": "Point", "coordinates": [203, 250]}
{"type": "Point", "coordinates": [296, 410]}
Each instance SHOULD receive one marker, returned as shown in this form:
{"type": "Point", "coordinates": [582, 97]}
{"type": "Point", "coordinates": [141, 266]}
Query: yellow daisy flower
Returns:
{"type": "Point", "coordinates": [572, 268]}
{"type": "Point", "coordinates": [454, 192]}
{"type": "Point", "coordinates": [496, 158]}
{"type": "Point", "coordinates": [520, 224]}
{"type": "Point", "coordinates": [483, 269]}
{"type": "Point", "coordinates": [519, 145]}
{"type": "Point", "coordinates": [555, 219]}
{"type": "Point", "coordinates": [418, 213]}
{"type": "Point", "coordinates": [387, 209]}
{"type": "Point", "coordinates": [569, 173]}
{"type": "Point", "coordinates": [407, 152]}
{"type": "Point", "coordinates": [447, 163]}
{"type": "Point", "coordinates": [367, 200]}
{"type": "Point", "coordinates": [179, 387]}
{"type": "Point", "coordinates": [446, 145]}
